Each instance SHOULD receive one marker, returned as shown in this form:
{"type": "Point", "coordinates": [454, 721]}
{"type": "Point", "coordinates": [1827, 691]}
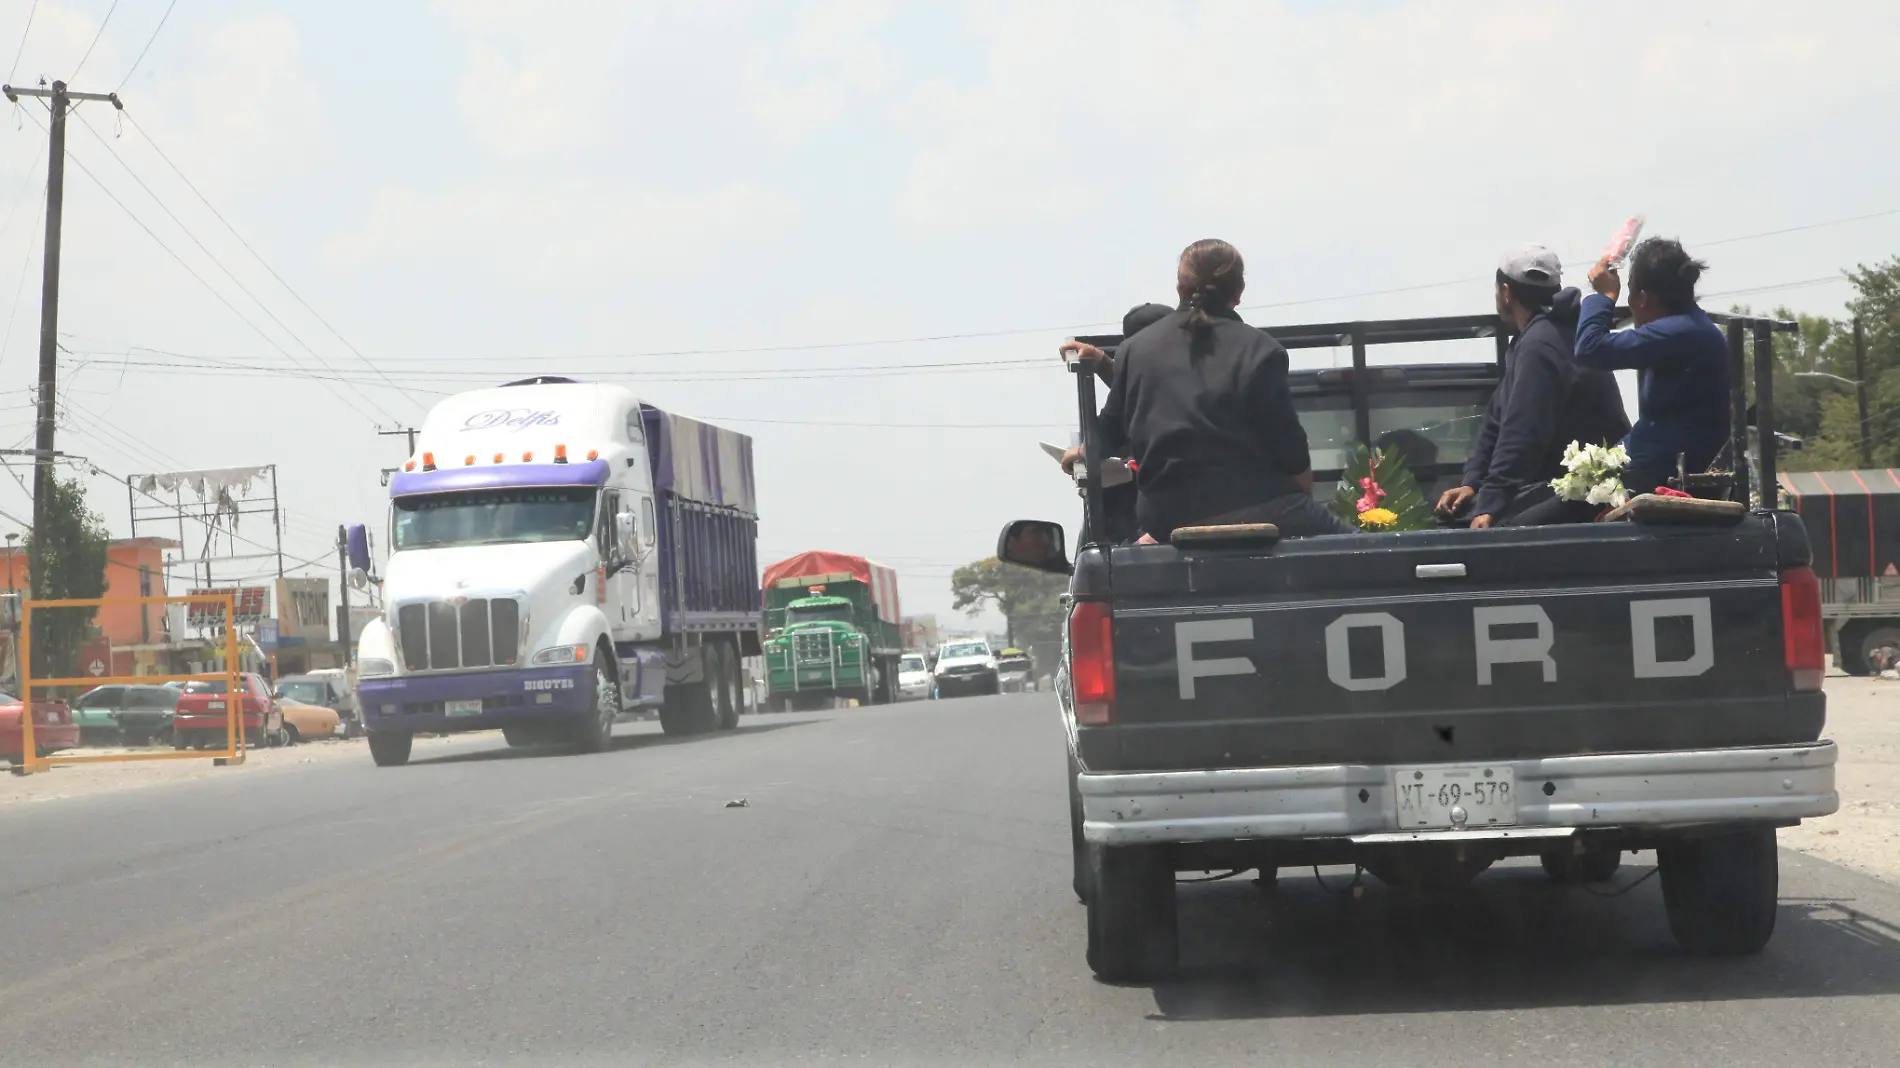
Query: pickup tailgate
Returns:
{"type": "Point", "coordinates": [1450, 645]}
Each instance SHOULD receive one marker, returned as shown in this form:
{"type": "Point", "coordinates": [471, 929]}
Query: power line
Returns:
{"type": "Point", "coordinates": [219, 264]}
{"type": "Point", "coordinates": [148, 46]}
{"type": "Point", "coordinates": [26, 182]}
{"type": "Point", "coordinates": [272, 342]}
{"type": "Point", "coordinates": [95, 41]}
{"type": "Point", "coordinates": [21, 50]}
{"type": "Point", "coordinates": [206, 201]}
{"type": "Point", "coordinates": [20, 285]}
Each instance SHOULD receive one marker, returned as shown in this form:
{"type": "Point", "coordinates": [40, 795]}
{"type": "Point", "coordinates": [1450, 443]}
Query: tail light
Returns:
{"type": "Point", "coordinates": [1803, 639]}
{"type": "Point", "coordinates": [1092, 662]}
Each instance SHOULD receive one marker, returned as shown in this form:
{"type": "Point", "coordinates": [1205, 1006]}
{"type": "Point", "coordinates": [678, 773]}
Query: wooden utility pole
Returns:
{"type": "Point", "coordinates": [59, 102]}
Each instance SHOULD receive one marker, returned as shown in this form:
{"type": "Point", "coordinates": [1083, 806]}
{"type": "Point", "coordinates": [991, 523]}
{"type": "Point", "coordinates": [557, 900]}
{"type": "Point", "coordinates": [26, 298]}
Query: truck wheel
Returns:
{"type": "Point", "coordinates": [1878, 649]}
{"type": "Point", "coordinates": [1595, 864]}
{"type": "Point", "coordinates": [1721, 891]}
{"type": "Point", "coordinates": [520, 737]}
{"type": "Point", "coordinates": [390, 749]}
{"type": "Point", "coordinates": [726, 697]}
{"type": "Point", "coordinates": [1132, 934]}
{"type": "Point", "coordinates": [1078, 846]}
{"type": "Point", "coordinates": [688, 709]}
{"type": "Point", "coordinates": [595, 731]}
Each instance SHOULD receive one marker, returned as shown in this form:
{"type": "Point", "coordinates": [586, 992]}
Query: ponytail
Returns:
{"type": "Point", "coordinates": [1210, 278]}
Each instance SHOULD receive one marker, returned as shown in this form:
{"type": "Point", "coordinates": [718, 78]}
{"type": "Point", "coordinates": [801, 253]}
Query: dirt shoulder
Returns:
{"type": "Point", "coordinates": [1863, 717]}
{"type": "Point", "coordinates": [85, 780]}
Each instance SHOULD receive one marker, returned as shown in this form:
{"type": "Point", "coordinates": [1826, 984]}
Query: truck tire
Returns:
{"type": "Point", "coordinates": [1078, 846]}
{"type": "Point", "coordinates": [594, 733]}
{"type": "Point", "coordinates": [726, 694]}
{"type": "Point", "coordinates": [1721, 891]}
{"type": "Point", "coordinates": [1595, 864]}
{"type": "Point", "coordinates": [521, 737]}
{"type": "Point", "coordinates": [689, 708]}
{"type": "Point", "coordinates": [390, 749]}
{"type": "Point", "coordinates": [1872, 641]}
{"type": "Point", "coordinates": [1132, 936]}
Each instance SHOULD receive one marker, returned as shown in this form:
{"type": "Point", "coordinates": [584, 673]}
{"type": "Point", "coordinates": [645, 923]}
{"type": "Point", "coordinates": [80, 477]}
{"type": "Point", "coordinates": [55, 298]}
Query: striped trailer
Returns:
{"type": "Point", "coordinates": [1853, 522]}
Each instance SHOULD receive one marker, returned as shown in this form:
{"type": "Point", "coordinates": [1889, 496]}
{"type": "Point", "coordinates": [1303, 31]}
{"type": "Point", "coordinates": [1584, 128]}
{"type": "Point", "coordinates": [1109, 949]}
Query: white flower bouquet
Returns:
{"type": "Point", "coordinates": [1594, 473]}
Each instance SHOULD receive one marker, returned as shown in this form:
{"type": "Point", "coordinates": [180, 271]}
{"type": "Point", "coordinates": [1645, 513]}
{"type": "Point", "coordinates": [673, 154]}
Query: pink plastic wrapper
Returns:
{"type": "Point", "coordinates": [1623, 242]}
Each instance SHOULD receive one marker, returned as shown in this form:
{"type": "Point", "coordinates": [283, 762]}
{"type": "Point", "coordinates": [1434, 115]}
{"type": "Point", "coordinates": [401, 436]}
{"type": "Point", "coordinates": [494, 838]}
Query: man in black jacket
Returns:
{"type": "Point", "coordinates": [1545, 401]}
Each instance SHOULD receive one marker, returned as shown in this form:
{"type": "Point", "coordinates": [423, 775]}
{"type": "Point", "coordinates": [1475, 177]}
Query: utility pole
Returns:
{"type": "Point", "coordinates": [343, 595]}
{"type": "Point", "coordinates": [59, 102]}
{"type": "Point", "coordinates": [1860, 395]}
{"type": "Point", "coordinates": [401, 431]}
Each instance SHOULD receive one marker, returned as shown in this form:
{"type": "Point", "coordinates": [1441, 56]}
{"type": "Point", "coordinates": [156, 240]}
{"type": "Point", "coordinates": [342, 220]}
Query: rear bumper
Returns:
{"type": "Point", "coordinates": [419, 703]}
{"type": "Point", "coordinates": [1781, 783]}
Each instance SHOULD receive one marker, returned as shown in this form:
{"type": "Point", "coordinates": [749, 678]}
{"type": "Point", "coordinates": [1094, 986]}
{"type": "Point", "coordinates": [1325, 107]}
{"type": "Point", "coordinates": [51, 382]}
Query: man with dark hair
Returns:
{"type": "Point", "coordinates": [1680, 356]}
{"type": "Point", "coordinates": [1544, 402]}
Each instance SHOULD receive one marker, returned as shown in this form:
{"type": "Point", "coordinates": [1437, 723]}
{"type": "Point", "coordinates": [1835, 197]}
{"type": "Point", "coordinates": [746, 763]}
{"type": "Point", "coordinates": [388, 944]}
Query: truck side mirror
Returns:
{"type": "Point", "coordinates": [1036, 544]}
{"type": "Point", "coordinates": [356, 540]}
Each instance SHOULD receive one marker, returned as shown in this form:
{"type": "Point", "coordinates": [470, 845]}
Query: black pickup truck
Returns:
{"type": "Point", "coordinates": [1424, 704]}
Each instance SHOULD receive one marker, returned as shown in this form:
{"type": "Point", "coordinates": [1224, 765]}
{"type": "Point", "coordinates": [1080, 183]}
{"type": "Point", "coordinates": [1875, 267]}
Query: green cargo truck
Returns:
{"type": "Point", "coordinates": [831, 624]}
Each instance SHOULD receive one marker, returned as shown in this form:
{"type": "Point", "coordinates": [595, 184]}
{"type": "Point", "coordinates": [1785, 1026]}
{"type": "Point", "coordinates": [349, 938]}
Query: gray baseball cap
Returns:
{"type": "Point", "coordinates": [1533, 265]}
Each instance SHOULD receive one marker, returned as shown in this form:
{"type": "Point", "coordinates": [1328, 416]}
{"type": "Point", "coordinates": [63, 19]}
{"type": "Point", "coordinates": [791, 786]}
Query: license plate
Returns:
{"type": "Point", "coordinates": [463, 708]}
{"type": "Point", "coordinates": [215, 706]}
{"type": "Point", "coordinates": [1470, 797]}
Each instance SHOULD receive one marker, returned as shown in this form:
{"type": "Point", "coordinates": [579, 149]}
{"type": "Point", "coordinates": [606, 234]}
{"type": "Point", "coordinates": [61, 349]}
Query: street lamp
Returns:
{"type": "Point", "coordinates": [1859, 386]}
{"type": "Point", "coordinates": [1830, 377]}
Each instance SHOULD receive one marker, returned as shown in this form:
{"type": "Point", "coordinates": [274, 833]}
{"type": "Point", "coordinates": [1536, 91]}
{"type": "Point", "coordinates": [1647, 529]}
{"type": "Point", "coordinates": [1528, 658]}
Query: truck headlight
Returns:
{"type": "Point", "coordinates": [370, 667]}
{"type": "Point", "coordinates": [560, 654]}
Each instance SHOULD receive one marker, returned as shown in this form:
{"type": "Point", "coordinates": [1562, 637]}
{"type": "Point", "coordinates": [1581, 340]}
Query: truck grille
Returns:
{"type": "Point", "coordinates": [440, 635]}
{"type": "Point", "coordinates": [813, 648]}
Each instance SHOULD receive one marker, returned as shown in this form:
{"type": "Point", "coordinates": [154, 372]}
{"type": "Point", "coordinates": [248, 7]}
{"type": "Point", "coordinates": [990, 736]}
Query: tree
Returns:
{"type": "Point", "coordinates": [76, 547]}
{"type": "Point", "coordinates": [1029, 600]}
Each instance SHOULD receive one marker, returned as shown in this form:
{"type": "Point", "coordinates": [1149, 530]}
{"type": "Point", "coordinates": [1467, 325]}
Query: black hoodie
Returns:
{"type": "Point", "coordinates": [1545, 401]}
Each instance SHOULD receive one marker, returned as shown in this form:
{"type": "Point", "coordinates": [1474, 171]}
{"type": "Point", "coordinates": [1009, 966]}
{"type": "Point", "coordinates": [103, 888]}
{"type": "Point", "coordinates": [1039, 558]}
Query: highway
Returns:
{"type": "Point", "coordinates": [895, 890]}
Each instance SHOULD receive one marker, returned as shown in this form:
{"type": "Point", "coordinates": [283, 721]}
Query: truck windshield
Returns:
{"type": "Point", "coordinates": [912, 663]}
{"type": "Point", "coordinates": [827, 613]}
{"type": "Point", "coordinates": [305, 693]}
{"type": "Point", "coordinates": [494, 517]}
{"type": "Point", "coordinates": [964, 649]}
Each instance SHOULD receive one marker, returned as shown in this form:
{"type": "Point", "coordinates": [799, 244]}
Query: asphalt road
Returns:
{"type": "Point", "coordinates": [894, 892]}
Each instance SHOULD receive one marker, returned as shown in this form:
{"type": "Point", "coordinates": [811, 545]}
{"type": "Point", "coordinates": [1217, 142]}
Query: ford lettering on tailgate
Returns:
{"type": "Point", "coordinates": [1544, 647]}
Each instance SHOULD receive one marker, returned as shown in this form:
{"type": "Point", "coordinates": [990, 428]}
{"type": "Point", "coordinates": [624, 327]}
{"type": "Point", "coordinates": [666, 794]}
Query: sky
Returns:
{"type": "Point", "coordinates": [854, 230]}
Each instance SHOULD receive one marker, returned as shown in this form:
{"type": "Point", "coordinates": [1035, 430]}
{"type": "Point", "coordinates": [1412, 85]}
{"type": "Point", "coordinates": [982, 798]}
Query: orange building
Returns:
{"type": "Point", "coordinates": [135, 567]}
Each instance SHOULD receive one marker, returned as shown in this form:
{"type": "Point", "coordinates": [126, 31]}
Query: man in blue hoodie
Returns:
{"type": "Point", "coordinates": [1544, 402]}
{"type": "Point", "coordinates": [1681, 358]}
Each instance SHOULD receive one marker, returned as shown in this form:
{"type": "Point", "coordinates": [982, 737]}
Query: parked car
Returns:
{"type": "Point", "coordinates": [1013, 670]}
{"type": "Point", "coordinates": [913, 678]}
{"type": "Point", "coordinates": [324, 689]}
{"type": "Point", "coordinates": [53, 728]}
{"type": "Point", "coordinates": [306, 722]}
{"type": "Point", "coordinates": [130, 715]}
{"type": "Point", "coordinates": [200, 722]}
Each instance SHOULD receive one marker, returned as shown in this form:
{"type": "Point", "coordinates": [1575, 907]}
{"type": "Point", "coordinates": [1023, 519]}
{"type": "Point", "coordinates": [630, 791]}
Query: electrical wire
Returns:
{"type": "Point", "coordinates": [21, 50]}
{"type": "Point", "coordinates": [1625, 888]}
{"type": "Point", "coordinates": [272, 342]}
{"type": "Point", "coordinates": [95, 41]}
{"type": "Point", "coordinates": [262, 262]}
{"type": "Point", "coordinates": [1213, 878]}
{"type": "Point", "coordinates": [19, 197]}
{"type": "Point", "coordinates": [219, 264]}
{"type": "Point", "coordinates": [148, 47]}
{"type": "Point", "coordinates": [19, 286]}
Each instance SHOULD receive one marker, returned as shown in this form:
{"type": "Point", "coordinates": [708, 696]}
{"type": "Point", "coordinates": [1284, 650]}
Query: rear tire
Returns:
{"type": "Point", "coordinates": [521, 737]}
{"type": "Point", "coordinates": [291, 734]}
{"type": "Point", "coordinates": [1132, 936]}
{"type": "Point", "coordinates": [594, 733]}
{"type": "Point", "coordinates": [1721, 891]}
{"type": "Point", "coordinates": [390, 749]}
{"type": "Point", "coordinates": [689, 708]}
{"type": "Point", "coordinates": [726, 696]}
{"type": "Point", "coordinates": [1872, 641]}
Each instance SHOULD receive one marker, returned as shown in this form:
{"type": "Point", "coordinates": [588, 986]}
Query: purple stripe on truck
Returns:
{"type": "Point", "coordinates": [498, 476]}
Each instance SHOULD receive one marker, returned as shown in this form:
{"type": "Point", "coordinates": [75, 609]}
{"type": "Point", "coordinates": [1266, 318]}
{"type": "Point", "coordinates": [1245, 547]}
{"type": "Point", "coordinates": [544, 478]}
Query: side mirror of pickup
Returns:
{"type": "Point", "coordinates": [1036, 544]}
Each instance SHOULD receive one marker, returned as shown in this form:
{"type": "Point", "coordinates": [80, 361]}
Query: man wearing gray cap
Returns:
{"type": "Point", "coordinates": [1545, 400]}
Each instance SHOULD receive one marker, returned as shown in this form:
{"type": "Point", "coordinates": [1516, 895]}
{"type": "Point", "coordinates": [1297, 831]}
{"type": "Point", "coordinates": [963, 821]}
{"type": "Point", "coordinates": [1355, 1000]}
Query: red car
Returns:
{"type": "Point", "coordinates": [200, 722]}
{"type": "Point", "coordinates": [53, 728]}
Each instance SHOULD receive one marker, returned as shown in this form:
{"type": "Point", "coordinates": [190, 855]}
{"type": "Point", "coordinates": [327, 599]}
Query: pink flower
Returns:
{"type": "Point", "coordinates": [1368, 503]}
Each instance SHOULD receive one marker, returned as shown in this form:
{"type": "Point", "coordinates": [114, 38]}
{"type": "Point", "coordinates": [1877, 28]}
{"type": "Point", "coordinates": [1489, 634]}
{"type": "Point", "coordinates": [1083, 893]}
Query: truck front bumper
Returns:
{"type": "Point", "coordinates": [507, 698]}
{"type": "Point", "coordinates": [1781, 783]}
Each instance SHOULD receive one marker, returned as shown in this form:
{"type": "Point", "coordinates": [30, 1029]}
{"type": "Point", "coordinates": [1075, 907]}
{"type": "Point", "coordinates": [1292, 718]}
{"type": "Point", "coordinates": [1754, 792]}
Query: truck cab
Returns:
{"type": "Point", "coordinates": [820, 651]}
